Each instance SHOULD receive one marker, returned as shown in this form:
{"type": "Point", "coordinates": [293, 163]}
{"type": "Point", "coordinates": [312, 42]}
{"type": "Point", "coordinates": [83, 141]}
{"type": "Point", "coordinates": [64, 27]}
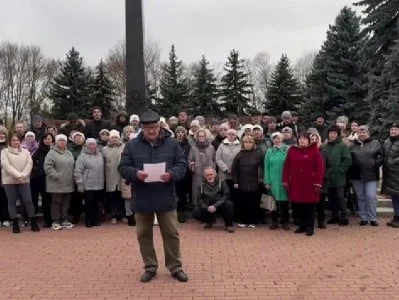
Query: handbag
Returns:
{"type": "Point", "coordinates": [267, 202]}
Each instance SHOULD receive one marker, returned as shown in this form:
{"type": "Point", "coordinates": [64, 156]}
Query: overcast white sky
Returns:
{"type": "Point", "coordinates": [196, 27]}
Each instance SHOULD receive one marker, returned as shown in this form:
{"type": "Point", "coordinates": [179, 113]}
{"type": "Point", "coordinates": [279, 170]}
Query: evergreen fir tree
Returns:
{"type": "Point", "coordinates": [173, 87]}
{"type": "Point", "coordinates": [103, 91]}
{"type": "Point", "coordinates": [284, 91]}
{"type": "Point", "coordinates": [235, 89]}
{"type": "Point", "coordinates": [337, 84]}
{"type": "Point", "coordinates": [390, 80]}
{"type": "Point", "coordinates": [205, 92]}
{"type": "Point", "coordinates": [382, 28]}
{"type": "Point", "coordinates": [70, 90]}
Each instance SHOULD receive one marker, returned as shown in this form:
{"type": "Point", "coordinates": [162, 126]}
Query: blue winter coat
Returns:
{"type": "Point", "coordinates": [154, 196]}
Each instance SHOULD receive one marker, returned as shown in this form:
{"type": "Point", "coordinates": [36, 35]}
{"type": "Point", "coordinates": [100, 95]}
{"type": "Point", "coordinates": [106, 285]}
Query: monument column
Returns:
{"type": "Point", "coordinates": [136, 101]}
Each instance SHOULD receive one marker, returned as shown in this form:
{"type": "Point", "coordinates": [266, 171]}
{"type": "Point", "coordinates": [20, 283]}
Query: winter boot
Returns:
{"type": "Point", "coordinates": [33, 224]}
{"type": "Point", "coordinates": [15, 226]}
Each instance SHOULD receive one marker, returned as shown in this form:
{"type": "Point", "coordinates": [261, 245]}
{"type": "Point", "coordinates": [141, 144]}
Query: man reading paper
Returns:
{"type": "Point", "coordinates": [155, 146]}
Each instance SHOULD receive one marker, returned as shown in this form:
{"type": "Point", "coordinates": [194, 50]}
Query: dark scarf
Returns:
{"type": "Point", "coordinates": [202, 146]}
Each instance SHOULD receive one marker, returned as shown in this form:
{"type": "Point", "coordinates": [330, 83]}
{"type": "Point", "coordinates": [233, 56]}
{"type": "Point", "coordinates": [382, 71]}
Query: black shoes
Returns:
{"type": "Point", "coordinates": [344, 222]}
{"type": "Point", "coordinates": [180, 276]}
{"type": "Point", "coordinates": [34, 226]}
{"type": "Point", "coordinates": [333, 220]}
{"type": "Point", "coordinates": [363, 223]}
{"type": "Point", "coordinates": [374, 224]}
{"type": "Point", "coordinates": [15, 226]}
{"type": "Point", "coordinates": [309, 231]}
{"type": "Point", "coordinates": [181, 217]}
{"type": "Point", "coordinates": [300, 230]}
{"type": "Point", "coordinates": [147, 276]}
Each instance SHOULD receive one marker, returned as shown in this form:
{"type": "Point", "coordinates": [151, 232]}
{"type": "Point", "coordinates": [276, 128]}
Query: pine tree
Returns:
{"type": "Point", "coordinates": [390, 80]}
{"type": "Point", "coordinates": [103, 91]}
{"type": "Point", "coordinates": [205, 92]}
{"type": "Point", "coordinates": [70, 90]}
{"type": "Point", "coordinates": [284, 92]}
{"type": "Point", "coordinates": [235, 89]}
{"type": "Point", "coordinates": [382, 28]}
{"type": "Point", "coordinates": [173, 87]}
{"type": "Point", "coordinates": [337, 84]}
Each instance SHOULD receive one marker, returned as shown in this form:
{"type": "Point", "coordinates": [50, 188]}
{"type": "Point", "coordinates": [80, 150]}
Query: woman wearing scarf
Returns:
{"type": "Point", "coordinates": [16, 165]}
{"type": "Point", "coordinates": [58, 165]}
{"type": "Point", "coordinates": [29, 143]}
{"type": "Point", "coordinates": [273, 169]}
{"type": "Point", "coordinates": [202, 155]}
{"type": "Point", "coordinates": [194, 128]}
{"type": "Point", "coordinates": [38, 178]}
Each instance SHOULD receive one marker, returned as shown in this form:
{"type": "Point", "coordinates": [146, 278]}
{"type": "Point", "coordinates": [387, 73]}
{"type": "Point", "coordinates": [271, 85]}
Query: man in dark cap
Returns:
{"type": "Point", "coordinates": [155, 145]}
{"type": "Point", "coordinates": [38, 127]}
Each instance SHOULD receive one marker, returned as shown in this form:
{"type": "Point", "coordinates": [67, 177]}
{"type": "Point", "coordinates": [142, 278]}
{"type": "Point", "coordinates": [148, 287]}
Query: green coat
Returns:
{"type": "Point", "coordinates": [338, 160]}
{"type": "Point", "coordinates": [274, 164]}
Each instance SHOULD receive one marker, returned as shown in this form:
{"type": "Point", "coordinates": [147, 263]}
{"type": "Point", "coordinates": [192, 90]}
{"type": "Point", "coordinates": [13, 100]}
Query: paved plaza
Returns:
{"type": "Point", "coordinates": [104, 263]}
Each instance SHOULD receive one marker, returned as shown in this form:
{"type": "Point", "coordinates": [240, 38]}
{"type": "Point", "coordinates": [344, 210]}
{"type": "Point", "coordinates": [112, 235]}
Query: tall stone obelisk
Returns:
{"type": "Point", "coordinates": [136, 101]}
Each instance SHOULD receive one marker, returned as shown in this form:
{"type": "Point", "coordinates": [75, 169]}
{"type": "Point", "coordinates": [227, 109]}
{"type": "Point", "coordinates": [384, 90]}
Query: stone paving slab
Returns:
{"type": "Point", "coordinates": [104, 263]}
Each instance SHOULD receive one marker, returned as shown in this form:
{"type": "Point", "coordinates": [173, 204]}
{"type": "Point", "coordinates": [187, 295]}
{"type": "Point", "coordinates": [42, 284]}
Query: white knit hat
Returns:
{"type": "Point", "coordinates": [91, 141]}
{"type": "Point", "coordinates": [77, 133]}
{"type": "Point", "coordinates": [114, 133]}
{"type": "Point", "coordinates": [195, 123]}
{"type": "Point", "coordinates": [61, 137]}
{"type": "Point", "coordinates": [134, 118]}
{"type": "Point", "coordinates": [29, 133]}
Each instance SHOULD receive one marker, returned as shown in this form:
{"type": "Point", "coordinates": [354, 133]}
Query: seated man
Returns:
{"type": "Point", "coordinates": [212, 200]}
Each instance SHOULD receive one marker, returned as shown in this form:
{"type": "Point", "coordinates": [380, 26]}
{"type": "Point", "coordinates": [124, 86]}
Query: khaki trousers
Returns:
{"type": "Point", "coordinates": [168, 225]}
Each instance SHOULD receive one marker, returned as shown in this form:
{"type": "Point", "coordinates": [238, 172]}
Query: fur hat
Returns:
{"type": "Point", "coordinates": [3, 130]}
{"type": "Point", "coordinates": [114, 133]}
{"type": "Point", "coordinates": [134, 118]}
{"type": "Point", "coordinates": [78, 133]}
{"type": "Point", "coordinates": [258, 127]}
{"type": "Point", "coordinates": [90, 141]}
{"type": "Point", "coordinates": [61, 137]}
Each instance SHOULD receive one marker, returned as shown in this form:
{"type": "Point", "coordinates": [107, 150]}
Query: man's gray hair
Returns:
{"type": "Point", "coordinates": [286, 115]}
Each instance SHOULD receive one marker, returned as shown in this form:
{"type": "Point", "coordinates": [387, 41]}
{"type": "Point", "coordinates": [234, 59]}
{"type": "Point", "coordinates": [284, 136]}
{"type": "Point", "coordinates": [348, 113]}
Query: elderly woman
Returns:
{"type": "Point", "coordinates": [273, 171]}
{"type": "Point", "coordinates": [194, 128]}
{"type": "Point", "coordinates": [247, 179]}
{"type": "Point", "coordinates": [245, 130]}
{"type": "Point", "coordinates": [112, 156]}
{"type": "Point", "coordinates": [288, 136]}
{"type": "Point", "coordinates": [303, 178]}
{"type": "Point", "coordinates": [390, 183]}
{"type": "Point", "coordinates": [89, 178]}
{"type": "Point", "coordinates": [365, 173]}
{"type": "Point", "coordinates": [58, 166]}
{"type": "Point", "coordinates": [221, 135]}
{"type": "Point", "coordinates": [201, 156]}
{"type": "Point", "coordinates": [225, 155]}
{"type": "Point", "coordinates": [30, 143]}
{"type": "Point", "coordinates": [16, 166]}
{"type": "Point", "coordinates": [183, 187]}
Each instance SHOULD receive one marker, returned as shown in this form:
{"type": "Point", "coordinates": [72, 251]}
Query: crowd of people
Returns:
{"type": "Point", "coordinates": [227, 169]}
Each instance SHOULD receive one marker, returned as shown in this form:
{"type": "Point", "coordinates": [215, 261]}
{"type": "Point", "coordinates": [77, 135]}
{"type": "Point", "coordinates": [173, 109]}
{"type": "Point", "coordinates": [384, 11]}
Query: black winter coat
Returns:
{"type": "Point", "coordinates": [94, 127]}
{"type": "Point", "coordinates": [38, 161]}
{"type": "Point", "coordinates": [390, 183]}
{"type": "Point", "coordinates": [247, 171]}
{"type": "Point", "coordinates": [213, 194]}
{"type": "Point", "coordinates": [367, 158]}
{"type": "Point", "coordinates": [154, 196]}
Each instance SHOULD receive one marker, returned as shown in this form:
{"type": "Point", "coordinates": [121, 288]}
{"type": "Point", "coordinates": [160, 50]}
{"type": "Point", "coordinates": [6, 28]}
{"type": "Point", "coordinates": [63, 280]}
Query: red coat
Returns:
{"type": "Point", "coordinates": [303, 173]}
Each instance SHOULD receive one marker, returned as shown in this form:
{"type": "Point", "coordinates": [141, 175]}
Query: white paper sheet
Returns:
{"type": "Point", "coordinates": [154, 171]}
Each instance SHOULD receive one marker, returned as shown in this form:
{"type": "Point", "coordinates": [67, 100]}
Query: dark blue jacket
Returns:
{"type": "Point", "coordinates": [155, 196]}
